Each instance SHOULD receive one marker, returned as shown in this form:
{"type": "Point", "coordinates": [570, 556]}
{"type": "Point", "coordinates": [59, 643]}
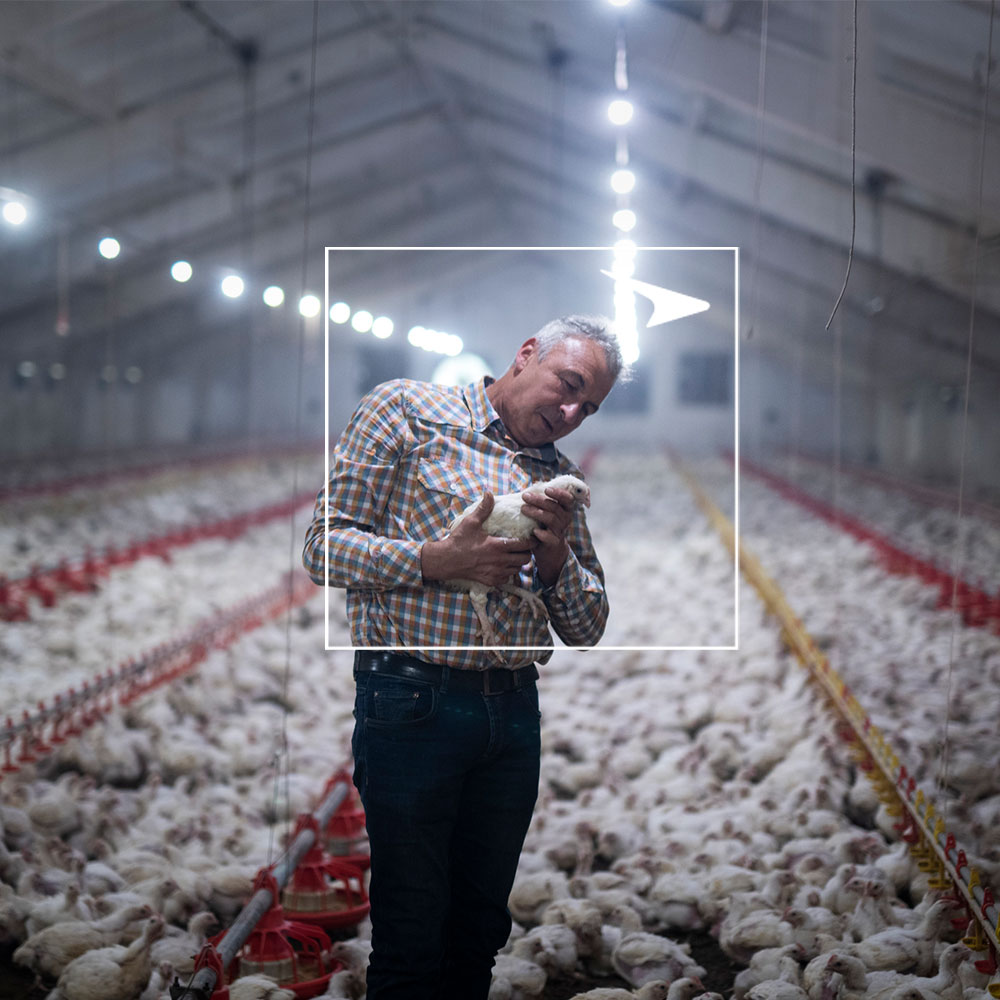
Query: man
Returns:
{"type": "Point", "coordinates": [446, 744]}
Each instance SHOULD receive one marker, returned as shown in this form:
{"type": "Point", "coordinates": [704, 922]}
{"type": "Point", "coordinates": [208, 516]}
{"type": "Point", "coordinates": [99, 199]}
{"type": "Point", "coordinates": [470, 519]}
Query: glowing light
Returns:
{"type": "Point", "coordinates": [109, 373]}
{"type": "Point", "coordinates": [625, 250]}
{"type": "Point", "coordinates": [624, 219]}
{"type": "Point", "coordinates": [57, 371]}
{"type": "Point", "coordinates": [435, 341]}
{"type": "Point", "coordinates": [27, 369]}
{"type": "Point", "coordinates": [232, 286]}
{"type": "Point", "coordinates": [309, 306]}
{"type": "Point", "coordinates": [619, 3]}
{"type": "Point", "coordinates": [620, 111]}
{"type": "Point", "coordinates": [625, 322]}
{"type": "Point", "coordinates": [623, 268]}
{"type": "Point", "coordinates": [273, 296]}
{"type": "Point", "coordinates": [14, 212]}
{"type": "Point", "coordinates": [340, 312]}
{"type": "Point", "coordinates": [382, 327]}
{"type": "Point", "coordinates": [109, 248]}
{"type": "Point", "coordinates": [362, 321]}
{"type": "Point", "coordinates": [133, 374]}
{"type": "Point", "coordinates": [622, 181]}
{"type": "Point", "coordinates": [460, 370]}
{"type": "Point", "coordinates": [181, 271]}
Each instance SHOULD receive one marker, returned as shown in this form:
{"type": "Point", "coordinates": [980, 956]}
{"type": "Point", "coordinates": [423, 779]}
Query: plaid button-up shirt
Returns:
{"type": "Point", "coordinates": [413, 456]}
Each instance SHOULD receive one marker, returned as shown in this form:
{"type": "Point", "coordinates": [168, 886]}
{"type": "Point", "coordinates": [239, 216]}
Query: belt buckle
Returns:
{"type": "Point", "coordinates": [487, 687]}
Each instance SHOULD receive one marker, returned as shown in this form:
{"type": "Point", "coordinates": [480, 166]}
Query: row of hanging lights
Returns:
{"type": "Point", "coordinates": [620, 114]}
{"type": "Point", "coordinates": [233, 286]}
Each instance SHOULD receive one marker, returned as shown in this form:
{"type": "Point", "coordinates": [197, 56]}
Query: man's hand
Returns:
{"type": "Point", "coordinates": [554, 512]}
{"type": "Point", "coordinates": [469, 553]}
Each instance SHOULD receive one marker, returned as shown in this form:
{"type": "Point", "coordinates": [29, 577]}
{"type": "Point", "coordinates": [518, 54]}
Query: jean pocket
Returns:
{"type": "Point", "coordinates": [395, 701]}
{"type": "Point", "coordinates": [529, 694]}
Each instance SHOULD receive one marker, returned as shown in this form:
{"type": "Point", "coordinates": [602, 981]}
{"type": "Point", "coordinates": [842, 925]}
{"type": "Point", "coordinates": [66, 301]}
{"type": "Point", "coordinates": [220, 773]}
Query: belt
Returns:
{"type": "Point", "coordinates": [493, 681]}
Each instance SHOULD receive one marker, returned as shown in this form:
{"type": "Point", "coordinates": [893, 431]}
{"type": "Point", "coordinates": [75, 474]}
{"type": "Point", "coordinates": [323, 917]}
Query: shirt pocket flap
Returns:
{"type": "Point", "coordinates": [448, 479]}
{"type": "Point", "coordinates": [445, 490]}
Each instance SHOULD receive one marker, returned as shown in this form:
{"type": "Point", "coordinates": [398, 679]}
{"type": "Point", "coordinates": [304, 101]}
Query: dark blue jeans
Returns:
{"type": "Point", "coordinates": [448, 781]}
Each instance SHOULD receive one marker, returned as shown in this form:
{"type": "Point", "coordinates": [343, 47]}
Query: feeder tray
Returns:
{"type": "Point", "coordinates": [288, 951]}
{"type": "Point", "coordinates": [345, 834]}
{"type": "Point", "coordinates": [325, 891]}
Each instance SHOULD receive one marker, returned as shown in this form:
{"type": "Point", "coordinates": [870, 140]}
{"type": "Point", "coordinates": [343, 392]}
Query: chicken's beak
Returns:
{"type": "Point", "coordinates": [586, 499]}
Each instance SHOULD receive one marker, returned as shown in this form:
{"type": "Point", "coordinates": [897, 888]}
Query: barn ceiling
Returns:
{"type": "Point", "coordinates": [183, 127]}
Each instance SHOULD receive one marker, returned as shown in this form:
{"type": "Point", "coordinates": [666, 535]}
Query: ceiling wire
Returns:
{"type": "Point", "coordinates": [759, 172]}
{"type": "Point", "coordinates": [758, 424]}
{"type": "Point", "coordinates": [840, 538]}
{"type": "Point", "coordinates": [248, 72]}
{"type": "Point", "coordinates": [854, 158]}
{"type": "Point", "coordinates": [293, 541]}
{"type": "Point", "coordinates": [106, 380]}
{"type": "Point", "coordinates": [957, 558]}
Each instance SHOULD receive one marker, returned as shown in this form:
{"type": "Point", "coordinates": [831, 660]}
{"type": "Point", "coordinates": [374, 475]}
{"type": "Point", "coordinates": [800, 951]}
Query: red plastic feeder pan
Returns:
{"type": "Point", "coordinates": [345, 834]}
{"type": "Point", "coordinates": [325, 891]}
{"type": "Point", "coordinates": [290, 952]}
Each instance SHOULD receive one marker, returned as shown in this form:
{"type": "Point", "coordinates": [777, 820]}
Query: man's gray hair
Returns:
{"type": "Point", "coordinates": [595, 328]}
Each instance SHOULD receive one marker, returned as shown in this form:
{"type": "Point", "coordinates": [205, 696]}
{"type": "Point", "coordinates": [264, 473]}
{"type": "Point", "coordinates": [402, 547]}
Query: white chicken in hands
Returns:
{"type": "Point", "coordinates": [506, 520]}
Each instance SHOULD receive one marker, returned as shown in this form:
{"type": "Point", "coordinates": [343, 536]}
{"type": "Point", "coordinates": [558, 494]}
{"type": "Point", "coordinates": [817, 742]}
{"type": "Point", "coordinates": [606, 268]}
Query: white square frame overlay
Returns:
{"type": "Point", "coordinates": [736, 439]}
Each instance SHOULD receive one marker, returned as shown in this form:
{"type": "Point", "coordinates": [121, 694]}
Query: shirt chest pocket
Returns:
{"type": "Point", "coordinates": [443, 492]}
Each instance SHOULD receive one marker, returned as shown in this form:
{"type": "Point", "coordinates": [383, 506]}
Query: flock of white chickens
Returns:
{"type": "Point", "coordinates": [685, 791]}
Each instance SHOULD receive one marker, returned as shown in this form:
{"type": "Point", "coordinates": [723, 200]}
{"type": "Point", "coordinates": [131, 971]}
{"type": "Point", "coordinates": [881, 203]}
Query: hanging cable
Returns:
{"type": "Point", "coordinates": [854, 150]}
{"type": "Point", "coordinates": [759, 172]}
{"type": "Point", "coordinates": [107, 379]}
{"type": "Point", "coordinates": [293, 546]}
{"type": "Point", "coordinates": [247, 53]}
{"type": "Point", "coordinates": [838, 365]}
{"type": "Point", "coordinates": [958, 551]}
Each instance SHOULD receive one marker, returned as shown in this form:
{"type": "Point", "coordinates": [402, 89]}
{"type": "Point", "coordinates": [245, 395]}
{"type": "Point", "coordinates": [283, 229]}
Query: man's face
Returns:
{"type": "Point", "coordinates": [552, 396]}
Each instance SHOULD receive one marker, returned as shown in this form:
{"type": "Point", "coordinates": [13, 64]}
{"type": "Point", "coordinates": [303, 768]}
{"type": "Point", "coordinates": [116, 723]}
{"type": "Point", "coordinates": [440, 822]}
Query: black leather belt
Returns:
{"type": "Point", "coordinates": [493, 681]}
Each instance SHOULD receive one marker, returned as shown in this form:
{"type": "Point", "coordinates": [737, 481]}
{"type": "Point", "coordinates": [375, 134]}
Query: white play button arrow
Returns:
{"type": "Point", "coordinates": [667, 305]}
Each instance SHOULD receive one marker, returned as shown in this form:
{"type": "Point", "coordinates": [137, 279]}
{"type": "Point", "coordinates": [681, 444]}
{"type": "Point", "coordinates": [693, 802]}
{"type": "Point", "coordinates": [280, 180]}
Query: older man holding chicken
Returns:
{"type": "Point", "coordinates": [446, 741]}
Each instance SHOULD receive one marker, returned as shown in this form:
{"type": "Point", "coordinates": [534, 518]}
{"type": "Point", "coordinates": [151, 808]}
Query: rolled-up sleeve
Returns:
{"type": "Point", "coordinates": [343, 547]}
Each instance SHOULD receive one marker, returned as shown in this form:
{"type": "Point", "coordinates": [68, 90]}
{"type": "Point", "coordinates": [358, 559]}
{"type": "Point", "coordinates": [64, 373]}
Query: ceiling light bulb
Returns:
{"type": "Point", "coordinates": [622, 268]}
{"type": "Point", "coordinates": [382, 327]}
{"type": "Point", "coordinates": [340, 312]}
{"type": "Point", "coordinates": [620, 111]}
{"type": "Point", "coordinates": [232, 286]}
{"type": "Point", "coordinates": [273, 296]}
{"type": "Point", "coordinates": [14, 212]}
{"type": "Point", "coordinates": [625, 249]}
{"type": "Point", "coordinates": [181, 271]}
{"type": "Point", "coordinates": [622, 181]}
{"type": "Point", "coordinates": [309, 306]}
{"type": "Point", "coordinates": [109, 248]}
{"type": "Point", "coordinates": [619, 3]}
{"type": "Point", "coordinates": [362, 321]}
{"type": "Point", "coordinates": [624, 219]}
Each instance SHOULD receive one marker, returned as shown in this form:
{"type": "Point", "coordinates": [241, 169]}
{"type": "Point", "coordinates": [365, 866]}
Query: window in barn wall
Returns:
{"type": "Point", "coordinates": [632, 397]}
{"type": "Point", "coordinates": [703, 378]}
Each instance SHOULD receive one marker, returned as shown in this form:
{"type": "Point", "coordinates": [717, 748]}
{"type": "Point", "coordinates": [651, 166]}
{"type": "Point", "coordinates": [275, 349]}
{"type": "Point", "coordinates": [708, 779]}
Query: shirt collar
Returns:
{"type": "Point", "coordinates": [484, 415]}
